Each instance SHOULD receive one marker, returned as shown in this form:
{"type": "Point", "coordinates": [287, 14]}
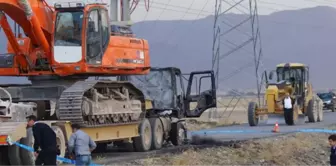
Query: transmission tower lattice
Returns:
{"type": "Point", "coordinates": [254, 38]}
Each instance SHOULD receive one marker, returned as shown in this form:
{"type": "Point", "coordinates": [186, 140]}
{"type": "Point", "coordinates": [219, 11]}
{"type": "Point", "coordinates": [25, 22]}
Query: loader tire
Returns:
{"type": "Point", "coordinates": [320, 115]}
{"type": "Point", "coordinates": [319, 112]}
{"type": "Point", "coordinates": [312, 111]}
{"type": "Point", "coordinates": [253, 118]}
{"type": "Point", "coordinates": [157, 133]}
{"type": "Point", "coordinates": [143, 142]}
{"type": "Point", "coordinates": [27, 157]}
{"type": "Point", "coordinates": [178, 133]}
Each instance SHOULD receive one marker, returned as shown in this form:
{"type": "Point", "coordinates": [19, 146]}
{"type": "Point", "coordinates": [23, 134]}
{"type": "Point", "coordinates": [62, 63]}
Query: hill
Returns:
{"type": "Point", "coordinates": [306, 35]}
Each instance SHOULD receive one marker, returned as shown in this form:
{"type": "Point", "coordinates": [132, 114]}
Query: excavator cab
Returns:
{"type": "Point", "coordinates": [80, 26]}
{"type": "Point", "coordinates": [83, 38]}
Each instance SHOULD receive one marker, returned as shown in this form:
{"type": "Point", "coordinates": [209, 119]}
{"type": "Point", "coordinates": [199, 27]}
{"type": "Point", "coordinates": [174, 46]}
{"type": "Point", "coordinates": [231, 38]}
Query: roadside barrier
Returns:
{"type": "Point", "coordinates": [59, 158]}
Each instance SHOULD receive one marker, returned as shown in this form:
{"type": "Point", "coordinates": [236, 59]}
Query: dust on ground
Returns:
{"type": "Point", "coordinates": [194, 124]}
{"type": "Point", "coordinates": [292, 149]}
{"type": "Point", "coordinates": [223, 118]}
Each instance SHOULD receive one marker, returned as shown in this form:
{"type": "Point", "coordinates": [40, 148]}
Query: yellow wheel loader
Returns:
{"type": "Point", "coordinates": [291, 78]}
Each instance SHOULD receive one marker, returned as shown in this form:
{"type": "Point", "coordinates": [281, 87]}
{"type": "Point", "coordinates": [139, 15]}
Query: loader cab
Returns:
{"type": "Point", "coordinates": [81, 32]}
{"type": "Point", "coordinates": [295, 75]}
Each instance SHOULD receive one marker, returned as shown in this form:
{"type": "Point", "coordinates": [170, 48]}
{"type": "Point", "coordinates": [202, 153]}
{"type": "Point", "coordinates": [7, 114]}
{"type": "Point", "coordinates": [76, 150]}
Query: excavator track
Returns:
{"type": "Point", "coordinates": [77, 104]}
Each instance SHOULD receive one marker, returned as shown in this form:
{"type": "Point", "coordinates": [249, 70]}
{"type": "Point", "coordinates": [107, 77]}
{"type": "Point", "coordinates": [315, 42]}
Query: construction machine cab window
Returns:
{"type": "Point", "coordinates": [296, 76]}
{"type": "Point", "coordinates": [68, 28]}
{"type": "Point", "coordinates": [289, 74]}
{"type": "Point", "coordinates": [98, 35]}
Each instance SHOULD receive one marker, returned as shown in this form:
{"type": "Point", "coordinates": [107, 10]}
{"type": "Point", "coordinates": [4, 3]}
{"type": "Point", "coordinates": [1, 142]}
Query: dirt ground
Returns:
{"type": "Point", "coordinates": [293, 149]}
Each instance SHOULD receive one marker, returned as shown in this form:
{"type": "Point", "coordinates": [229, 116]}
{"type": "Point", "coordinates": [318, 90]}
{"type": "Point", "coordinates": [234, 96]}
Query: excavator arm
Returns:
{"type": "Point", "coordinates": [34, 17]}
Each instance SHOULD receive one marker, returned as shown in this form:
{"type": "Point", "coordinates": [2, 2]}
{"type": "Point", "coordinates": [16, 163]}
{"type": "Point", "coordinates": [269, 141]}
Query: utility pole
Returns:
{"type": "Point", "coordinates": [215, 51]}
{"type": "Point", "coordinates": [121, 10]}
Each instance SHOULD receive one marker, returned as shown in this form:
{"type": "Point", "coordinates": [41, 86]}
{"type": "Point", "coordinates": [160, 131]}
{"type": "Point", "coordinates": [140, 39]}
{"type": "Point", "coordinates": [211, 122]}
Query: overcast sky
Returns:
{"type": "Point", "coordinates": [195, 9]}
{"type": "Point", "coordinates": [178, 9]}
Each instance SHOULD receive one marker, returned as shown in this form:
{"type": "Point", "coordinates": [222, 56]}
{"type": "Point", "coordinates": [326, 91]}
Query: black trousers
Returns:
{"type": "Point", "coordinates": [46, 158]}
{"type": "Point", "coordinates": [289, 110]}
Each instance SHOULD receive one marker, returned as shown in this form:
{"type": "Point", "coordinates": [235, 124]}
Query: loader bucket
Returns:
{"type": "Point", "coordinates": [273, 118]}
{"type": "Point", "coordinates": [280, 118]}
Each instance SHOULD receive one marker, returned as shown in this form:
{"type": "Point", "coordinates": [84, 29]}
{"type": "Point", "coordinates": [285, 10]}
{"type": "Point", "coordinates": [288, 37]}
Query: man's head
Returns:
{"type": "Point", "coordinates": [332, 140]}
{"type": "Point", "coordinates": [75, 127]}
{"type": "Point", "coordinates": [31, 119]}
{"type": "Point", "coordinates": [286, 94]}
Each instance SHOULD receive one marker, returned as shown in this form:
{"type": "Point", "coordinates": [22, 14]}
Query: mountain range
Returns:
{"type": "Point", "coordinates": [306, 36]}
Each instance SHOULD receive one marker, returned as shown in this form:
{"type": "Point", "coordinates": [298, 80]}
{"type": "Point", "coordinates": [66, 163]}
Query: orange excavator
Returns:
{"type": "Point", "coordinates": [66, 44]}
{"type": "Point", "coordinates": [67, 41]}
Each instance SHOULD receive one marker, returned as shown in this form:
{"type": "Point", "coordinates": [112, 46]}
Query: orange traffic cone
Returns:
{"type": "Point", "coordinates": [276, 128]}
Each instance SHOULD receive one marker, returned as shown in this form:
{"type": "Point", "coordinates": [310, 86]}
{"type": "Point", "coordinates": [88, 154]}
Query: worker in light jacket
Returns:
{"type": "Point", "coordinates": [82, 145]}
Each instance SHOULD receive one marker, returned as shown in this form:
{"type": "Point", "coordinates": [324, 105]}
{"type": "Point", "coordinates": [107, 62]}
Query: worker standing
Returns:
{"type": "Point", "coordinates": [82, 145]}
{"type": "Point", "coordinates": [288, 103]}
{"type": "Point", "coordinates": [45, 139]}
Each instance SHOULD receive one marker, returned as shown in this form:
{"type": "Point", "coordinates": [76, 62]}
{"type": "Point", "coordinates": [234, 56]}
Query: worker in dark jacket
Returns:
{"type": "Point", "coordinates": [44, 139]}
{"type": "Point", "coordinates": [332, 142]}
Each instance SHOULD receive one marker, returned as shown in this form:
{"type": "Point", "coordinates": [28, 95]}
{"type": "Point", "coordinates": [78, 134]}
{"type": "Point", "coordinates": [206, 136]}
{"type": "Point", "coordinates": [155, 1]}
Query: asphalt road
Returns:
{"type": "Point", "coordinates": [244, 131]}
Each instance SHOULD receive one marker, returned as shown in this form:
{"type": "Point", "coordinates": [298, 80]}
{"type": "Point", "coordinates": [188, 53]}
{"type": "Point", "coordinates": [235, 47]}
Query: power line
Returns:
{"type": "Point", "coordinates": [163, 10]}
{"type": "Point", "coordinates": [277, 4]}
{"type": "Point", "coordinates": [168, 34]}
{"type": "Point", "coordinates": [319, 2]}
{"type": "Point", "coordinates": [202, 13]}
{"type": "Point", "coordinates": [181, 7]}
{"type": "Point", "coordinates": [150, 5]}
